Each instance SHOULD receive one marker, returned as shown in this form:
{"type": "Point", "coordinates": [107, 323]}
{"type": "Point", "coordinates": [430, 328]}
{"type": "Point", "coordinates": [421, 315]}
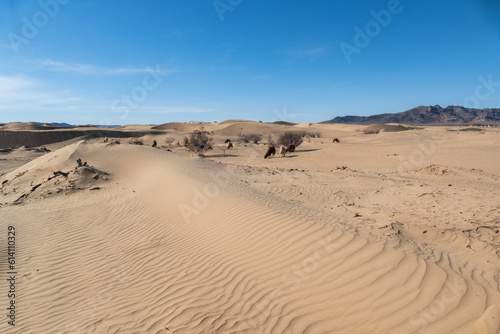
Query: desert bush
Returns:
{"type": "Point", "coordinates": [136, 141]}
{"type": "Point", "coordinates": [290, 138]}
{"type": "Point", "coordinates": [253, 137]}
{"type": "Point", "coordinates": [271, 140]}
{"type": "Point", "coordinates": [299, 133]}
{"type": "Point", "coordinates": [309, 135]}
{"type": "Point", "coordinates": [199, 142]}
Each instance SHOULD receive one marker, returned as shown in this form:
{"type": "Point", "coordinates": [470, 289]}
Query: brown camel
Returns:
{"type": "Point", "coordinates": [271, 150]}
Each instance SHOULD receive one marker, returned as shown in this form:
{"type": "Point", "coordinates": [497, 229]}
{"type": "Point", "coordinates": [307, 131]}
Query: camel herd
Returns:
{"type": "Point", "coordinates": [271, 150]}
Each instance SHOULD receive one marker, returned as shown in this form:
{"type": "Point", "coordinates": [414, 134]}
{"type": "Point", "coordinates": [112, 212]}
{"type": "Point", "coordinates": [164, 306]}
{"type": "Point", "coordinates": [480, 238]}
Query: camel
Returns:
{"type": "Point", "coordinates": [271, 150]}
{"type": "Point", "coordinates": [155, 143]}
{"type": "Point", "coordinates": [290, 148]}
{"type": "Point", "coordinates": [282, 150]}
{"type": "Point", "coordinates": [106, 139]}
{"type": "Point", "coordinates": [336, 140]}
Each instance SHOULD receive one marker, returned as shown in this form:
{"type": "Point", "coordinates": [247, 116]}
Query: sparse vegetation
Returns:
{"type": "Point", "coordinates": [136, 141]}
{"type": "Point", "coordinates": [81, 163]}
{"type": "Point", "coordinates": [253, 137]}
{"type": "Point", "coordinates": [271, 140]}
{"type": "Point", "coordinates": [21, 173]}
{"type": "Point", "coordinates": [199, 142]}
{"type": "Point", "coordinates": [290, 138]}
{"type": "Point", "coordinates": [309, 135]}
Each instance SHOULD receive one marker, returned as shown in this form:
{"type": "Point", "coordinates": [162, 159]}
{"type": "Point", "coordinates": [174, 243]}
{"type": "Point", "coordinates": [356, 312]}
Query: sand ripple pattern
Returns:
{"type": "Point", "coordinates": [126, 260]}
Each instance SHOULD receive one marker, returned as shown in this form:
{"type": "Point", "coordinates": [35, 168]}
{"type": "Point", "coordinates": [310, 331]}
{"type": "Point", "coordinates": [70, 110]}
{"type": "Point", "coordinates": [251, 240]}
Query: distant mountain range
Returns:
{"type": "Point", "coordinates": [427, 115]}
{"type": "Point", "coordinates": [66, 125]}
{"type": "Point", "coordinates": [60, 125]}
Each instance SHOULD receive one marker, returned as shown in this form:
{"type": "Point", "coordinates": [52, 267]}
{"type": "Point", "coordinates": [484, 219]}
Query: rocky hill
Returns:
{"type": "Point", "coordinates": [427, 115]}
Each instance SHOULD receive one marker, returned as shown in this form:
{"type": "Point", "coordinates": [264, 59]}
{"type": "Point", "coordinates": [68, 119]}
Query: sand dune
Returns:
{"type": "Point", "coordinates": [245, 128]}
{"type": "Point", "coordinates": [175, 126]}
{"type": "Point", "coordinates": [376, 128]}
{"type": "Point", "coordinates": [172, 244]}
{"type": "Point", "coordinates": [9, 139]}
{"type": "Point", "coordinates": [231, 121]}
{"type": "Point", "coordinates": [25, 126]}
{"type": "Point", "coordinates": [284, 123]}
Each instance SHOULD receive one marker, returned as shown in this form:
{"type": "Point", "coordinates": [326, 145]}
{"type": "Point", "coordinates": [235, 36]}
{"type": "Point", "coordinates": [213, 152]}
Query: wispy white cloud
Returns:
{"type": "Point", "coordinates": [56, 66]}
{"type": "Point", "coordinates": [8, 84]}
{"type": "Point", "coordinates": [172, 109]}
{"type": "Point", "coordinates": [163, 109]}
{"type": "Point", "coordinates": [21, 93]}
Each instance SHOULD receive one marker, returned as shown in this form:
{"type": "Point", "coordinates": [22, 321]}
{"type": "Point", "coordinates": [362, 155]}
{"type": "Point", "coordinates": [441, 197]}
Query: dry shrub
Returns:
{"type": "Point", "coordinates": [290, 138]}
{"type": "Point", "coordinates": [253, 137]}
{"type": "Point", "coordinates": [136, 141]}
{"type": "Point", "coordinates": [199, 142]}
{"type": "Point", "coordinates": [272, 140]}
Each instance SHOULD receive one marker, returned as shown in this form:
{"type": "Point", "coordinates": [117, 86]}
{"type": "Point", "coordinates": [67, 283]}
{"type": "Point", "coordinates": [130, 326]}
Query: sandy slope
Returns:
{"type": "Point", "coordinates": [170, 243]}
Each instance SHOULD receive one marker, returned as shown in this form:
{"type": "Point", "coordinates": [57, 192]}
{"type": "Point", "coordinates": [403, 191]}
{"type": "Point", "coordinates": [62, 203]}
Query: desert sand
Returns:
{"type": "Point", "coordinates": [388, 232]}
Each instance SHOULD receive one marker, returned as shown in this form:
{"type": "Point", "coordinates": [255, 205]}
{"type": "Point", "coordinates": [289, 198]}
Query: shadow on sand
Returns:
{"type": "Point", "coordinates": [311, 150]}
{"type": "Point", "coordinates": [221, 156]}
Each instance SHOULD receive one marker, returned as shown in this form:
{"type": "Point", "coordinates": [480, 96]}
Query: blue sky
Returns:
{"type": "Point", "coordinates": [157, 61]}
